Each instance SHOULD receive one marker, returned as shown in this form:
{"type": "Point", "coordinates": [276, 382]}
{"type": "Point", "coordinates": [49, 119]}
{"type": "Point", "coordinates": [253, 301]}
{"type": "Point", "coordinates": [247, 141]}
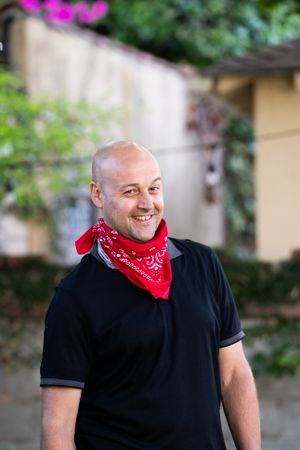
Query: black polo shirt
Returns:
{"type": "Point", "coordinates": [148, 369]}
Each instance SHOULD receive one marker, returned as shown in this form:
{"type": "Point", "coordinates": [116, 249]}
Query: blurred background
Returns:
{"type": "Point", "coordinates": [212, 88]}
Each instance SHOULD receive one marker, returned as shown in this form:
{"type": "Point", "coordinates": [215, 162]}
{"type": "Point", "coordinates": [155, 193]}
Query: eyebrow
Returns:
{"type": "Point", "coordinates": [124, 186]}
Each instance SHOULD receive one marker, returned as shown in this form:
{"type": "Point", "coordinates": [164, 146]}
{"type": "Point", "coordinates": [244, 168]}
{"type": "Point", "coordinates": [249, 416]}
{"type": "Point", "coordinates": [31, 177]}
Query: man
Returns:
{"type": "Point", "coordinates": [142, 338]}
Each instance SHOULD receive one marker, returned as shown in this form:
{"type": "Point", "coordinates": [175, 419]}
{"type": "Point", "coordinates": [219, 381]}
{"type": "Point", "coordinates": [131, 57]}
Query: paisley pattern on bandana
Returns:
{"type": "Point", "coordinates": [145, 264]}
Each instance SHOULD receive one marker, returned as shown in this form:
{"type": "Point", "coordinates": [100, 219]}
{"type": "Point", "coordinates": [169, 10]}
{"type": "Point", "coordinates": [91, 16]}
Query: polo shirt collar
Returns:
{"type": "Point", "coordinates": [172, 250]}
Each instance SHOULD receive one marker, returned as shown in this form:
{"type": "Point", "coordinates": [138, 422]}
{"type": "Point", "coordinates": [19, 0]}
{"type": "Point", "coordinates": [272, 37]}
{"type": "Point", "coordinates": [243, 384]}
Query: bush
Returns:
{"type": "Point", "coordinates": [27, 282]}
{"type": "Point", "coordinates": [27, 286]}
{"type": "Point", "coordinates": [260, 283]}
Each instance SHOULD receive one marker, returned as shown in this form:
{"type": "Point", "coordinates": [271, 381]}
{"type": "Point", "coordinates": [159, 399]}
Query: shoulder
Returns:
{"type": "Point", "coordinates": [81, 275]}
{"type": "Point", "coordinates": [198, 257]}
{"type": "Point", "coordinates": [189, 247]}
{"type": "Point", "coordinates": [73, 293]}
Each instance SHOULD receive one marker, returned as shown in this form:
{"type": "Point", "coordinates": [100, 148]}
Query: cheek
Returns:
{"type": "Point", "coordinates": [122, 207]}
{"type": "Point", "coordinates": [160, 203]}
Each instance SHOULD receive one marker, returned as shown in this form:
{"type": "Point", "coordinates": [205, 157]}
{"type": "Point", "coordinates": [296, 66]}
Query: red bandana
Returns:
{"type": "Point", "coordinates": [147, 265]}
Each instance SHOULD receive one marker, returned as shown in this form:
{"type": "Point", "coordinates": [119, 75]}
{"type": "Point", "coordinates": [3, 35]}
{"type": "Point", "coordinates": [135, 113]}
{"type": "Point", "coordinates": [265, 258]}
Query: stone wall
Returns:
{"type": "Point", "coordinates": [77, 65]}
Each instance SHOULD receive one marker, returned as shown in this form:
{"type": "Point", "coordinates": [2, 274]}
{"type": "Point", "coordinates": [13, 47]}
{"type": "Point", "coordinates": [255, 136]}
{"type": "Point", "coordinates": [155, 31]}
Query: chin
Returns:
{"type": "Point", "coordinates": [143, 238]}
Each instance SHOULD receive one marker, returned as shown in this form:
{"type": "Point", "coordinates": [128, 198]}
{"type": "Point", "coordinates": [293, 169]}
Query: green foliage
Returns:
{"type": "Point", "coordinates": [30, 281]}
{"type": "Point", "coordinates": [27, 283]}
{"type": "Point", "coordinates": [198, 32]}
{"type": "Point", "coordinates": [26, 288]}
{"type": "Point", "coordinates": [293, 5]}
{"type": "Point", "coordinates": [204, 33]}
{"type": "Point", "coordinates": [239, 200]}
{"type": "Point", "coordinates": [260, 283]}
{"type": "Point", "coordinates": [41, 143]}
{"type": "Point", "coordinates": [273, 342]}
{"type": "Point", "coordinates": [275, 347]}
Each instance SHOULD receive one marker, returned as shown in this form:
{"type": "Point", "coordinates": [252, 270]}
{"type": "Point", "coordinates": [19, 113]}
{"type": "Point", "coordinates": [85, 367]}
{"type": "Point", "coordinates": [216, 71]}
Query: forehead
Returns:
{"type": "Point", "coordinates": [130, 168]}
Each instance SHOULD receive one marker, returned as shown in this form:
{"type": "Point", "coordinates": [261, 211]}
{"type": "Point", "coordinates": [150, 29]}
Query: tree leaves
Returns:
{"type": "Point", "coordinates": [40, 142]}
{"type": "Point", "coordinates": [199, 32]}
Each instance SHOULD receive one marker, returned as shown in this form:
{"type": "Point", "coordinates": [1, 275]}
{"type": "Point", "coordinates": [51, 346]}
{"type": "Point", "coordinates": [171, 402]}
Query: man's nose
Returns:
{"type": "Point", "coordinates": [145, 201]}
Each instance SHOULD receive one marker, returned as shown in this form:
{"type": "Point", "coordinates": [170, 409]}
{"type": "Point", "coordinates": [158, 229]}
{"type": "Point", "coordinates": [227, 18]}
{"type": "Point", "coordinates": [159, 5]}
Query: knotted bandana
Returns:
{"type": "Point", "coordinates": [145, 264]}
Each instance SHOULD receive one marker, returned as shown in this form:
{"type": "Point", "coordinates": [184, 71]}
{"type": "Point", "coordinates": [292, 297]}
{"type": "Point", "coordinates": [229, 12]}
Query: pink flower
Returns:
{"type": "Point", "coordinates": [100, 9]}
{"type": "Point", "coordinates": [86, 16]}
{"type": "Point", "coordinates": [80, 7]}
{"type": "Point", "coordinates": [52, 4]}
{"type": "Point", "coordinates": [31, 5]}
{"type": "Point", "coordinates": [64, 13]}
{"type": "Point", "coordinates": [59, 11]}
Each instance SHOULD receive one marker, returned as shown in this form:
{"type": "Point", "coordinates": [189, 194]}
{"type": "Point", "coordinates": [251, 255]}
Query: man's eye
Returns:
{"type": "Point", "coordinates": [130, 192]}
{"type": "Point", "coordinates": [155, 188]}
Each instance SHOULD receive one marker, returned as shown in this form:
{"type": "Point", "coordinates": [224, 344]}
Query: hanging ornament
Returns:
{"type": "Point", "coordinates": [212, 180]}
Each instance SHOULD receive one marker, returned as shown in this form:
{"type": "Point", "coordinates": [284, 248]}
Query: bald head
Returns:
{"type": "Point", "coordinates": [127, 188]}
{"type": "Point", "coordinates": [115, 154]}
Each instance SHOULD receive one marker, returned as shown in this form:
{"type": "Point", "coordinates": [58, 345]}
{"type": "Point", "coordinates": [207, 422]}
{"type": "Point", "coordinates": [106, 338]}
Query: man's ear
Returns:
{"type": "Point", "coordinates": [96, 194]}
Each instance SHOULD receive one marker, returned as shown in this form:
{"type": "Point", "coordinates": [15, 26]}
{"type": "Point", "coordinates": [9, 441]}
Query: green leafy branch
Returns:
{"type": "Point", "coordinates": [274, 347]}
{"type": "Point", "coordinates": [41, 143]}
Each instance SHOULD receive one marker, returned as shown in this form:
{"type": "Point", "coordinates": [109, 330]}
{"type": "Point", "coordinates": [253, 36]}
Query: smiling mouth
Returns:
{"type": "Point", "coordinates": [143, 218]}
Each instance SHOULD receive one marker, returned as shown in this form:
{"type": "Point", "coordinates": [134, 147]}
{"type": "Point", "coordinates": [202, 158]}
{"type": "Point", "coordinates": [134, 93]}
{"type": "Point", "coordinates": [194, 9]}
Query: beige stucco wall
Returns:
{"type": "Point", "coordinates": [276, 110]}
{"type": "Point", "coordinates": [67, 64]}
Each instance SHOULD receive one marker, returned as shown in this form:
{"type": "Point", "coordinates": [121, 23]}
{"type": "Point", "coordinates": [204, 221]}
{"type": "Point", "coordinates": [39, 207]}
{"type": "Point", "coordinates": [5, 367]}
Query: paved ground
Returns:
{"type": "Point", "coordinates": [20, 410]}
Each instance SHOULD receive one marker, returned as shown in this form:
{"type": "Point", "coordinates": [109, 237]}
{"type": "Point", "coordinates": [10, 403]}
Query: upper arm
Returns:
{"type": "Point", "coordinates": [229, 322]}
{"type": "Point", "coordinates": [68, 343]}
{"type": "Point", "coordinates": [232, 363]}
{"type": "Point", "coordinates": [60, 407]}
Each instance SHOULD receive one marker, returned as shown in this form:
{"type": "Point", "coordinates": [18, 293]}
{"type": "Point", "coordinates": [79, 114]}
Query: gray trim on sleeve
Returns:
{"type": "Point", "coordinates": [59, 382]}
{"type": "Point", "coordinates": [233, 339]}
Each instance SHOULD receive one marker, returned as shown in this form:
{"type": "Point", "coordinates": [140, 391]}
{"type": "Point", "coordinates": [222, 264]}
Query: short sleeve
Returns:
{"type": "Point", "coordinates": [67, 351]}
{"type": "Point", "coordinates": [231, 330]}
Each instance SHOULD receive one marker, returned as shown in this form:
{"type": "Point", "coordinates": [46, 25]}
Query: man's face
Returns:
{"type": "Point", "coordinates": [131, 195]}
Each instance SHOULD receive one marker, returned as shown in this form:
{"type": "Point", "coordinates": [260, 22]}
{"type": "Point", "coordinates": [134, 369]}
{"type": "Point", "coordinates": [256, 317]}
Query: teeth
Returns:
{"type": "Point", "coordinates": [143, 218]}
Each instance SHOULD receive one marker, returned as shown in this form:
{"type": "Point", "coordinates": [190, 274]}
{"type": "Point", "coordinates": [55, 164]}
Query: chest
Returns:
{"type": "Point", "coordinates": [127, 319]}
